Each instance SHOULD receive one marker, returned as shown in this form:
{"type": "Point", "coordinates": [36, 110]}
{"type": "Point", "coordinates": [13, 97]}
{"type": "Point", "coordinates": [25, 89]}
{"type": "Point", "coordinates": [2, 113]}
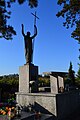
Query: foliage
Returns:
{"type": "Point", "coordinates": [78, 77]}
{"type": "Point", "coordinates": [44, 81]}
{"type": "Point", "coordinates": [71, 75]}
{"type": "Point", "coordinates": [78, 74]}
{"type": "Point", "coordinates": [33, 3]}
{"type": "Point", "coordinates": [7, 31]}
{"type": "Point", "coordinates": [77, 80]}
{"type": "Point", "coordinates": [8, 85]}
{"type": "Point", "coordinates": [71, 12]}
{"type": "Point", "coordinates": [9, 79]}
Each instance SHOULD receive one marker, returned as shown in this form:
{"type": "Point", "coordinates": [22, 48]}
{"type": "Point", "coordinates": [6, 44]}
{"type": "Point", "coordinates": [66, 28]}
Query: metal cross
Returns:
{"type": "Point", "coordinates": [35, 17]}
{"type": "Point", "coordinates": [34, 29]}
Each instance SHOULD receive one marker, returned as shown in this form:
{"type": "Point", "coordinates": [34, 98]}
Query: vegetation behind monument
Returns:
{"type": "Point", "coordinates": [9, 83]}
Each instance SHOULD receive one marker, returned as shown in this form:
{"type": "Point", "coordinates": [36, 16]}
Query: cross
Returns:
{"type": "Point", "coordinates": [34, 29]}
{"type": "Point", "coordinates": [35, 17]}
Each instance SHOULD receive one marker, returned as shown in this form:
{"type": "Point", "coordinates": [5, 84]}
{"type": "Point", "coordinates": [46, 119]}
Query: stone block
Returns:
{"type": "Point", "coordinates": [61, 84]}
{"type": "Point", "coordinates": [60, 81]}
{"type": "Point", "coordinates": [53, 84]}
{"type": "Point", "coordinates": [24, 76]}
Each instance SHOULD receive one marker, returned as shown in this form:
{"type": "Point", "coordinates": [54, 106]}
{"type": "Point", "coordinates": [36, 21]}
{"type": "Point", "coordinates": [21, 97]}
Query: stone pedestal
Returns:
{"type": "Point", "coordinates": [28, 73]}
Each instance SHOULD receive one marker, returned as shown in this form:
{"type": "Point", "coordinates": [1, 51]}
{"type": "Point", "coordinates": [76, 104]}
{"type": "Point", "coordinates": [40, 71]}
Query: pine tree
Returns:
{"type": "Point", "coordinates": [78, 74]}
{"type": "Point", "coordinates": [71, 74]}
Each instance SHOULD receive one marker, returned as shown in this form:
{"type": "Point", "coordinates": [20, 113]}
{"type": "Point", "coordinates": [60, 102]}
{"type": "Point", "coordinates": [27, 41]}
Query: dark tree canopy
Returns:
{"type": "Point", "coordinates": [7, 31]}
{"type": "Point", "coordinates": [71, 74]}
{"type": "Point", "coordinates": [78, 75]}
{"type": "Point", "coordinates": [71, 12]}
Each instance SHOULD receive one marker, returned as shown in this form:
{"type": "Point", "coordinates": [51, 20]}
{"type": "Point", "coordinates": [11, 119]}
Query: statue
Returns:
{"type": "Point", "coordinates": [28, 44]}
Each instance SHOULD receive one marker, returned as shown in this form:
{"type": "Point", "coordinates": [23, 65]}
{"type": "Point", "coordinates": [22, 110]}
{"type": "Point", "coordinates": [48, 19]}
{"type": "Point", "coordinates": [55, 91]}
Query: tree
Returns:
{"type": "Point", "coordinates": [7, 31]}
{"type": "Point", "coordinates": [71, 12]}
{"type": "Point", "coordinates": [9, 84]}
{"type": "Point", "coordinates": [78, 78]}
{"type": "Point", "coordinates": [78, 74]}
{"type": "Point", "coordinates": [71, 75]}
{"type": "Point", "coordinates": [44, 81]}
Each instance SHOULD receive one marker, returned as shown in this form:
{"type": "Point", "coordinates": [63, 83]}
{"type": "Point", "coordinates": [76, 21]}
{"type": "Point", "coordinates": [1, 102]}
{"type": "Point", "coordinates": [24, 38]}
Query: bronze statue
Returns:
{"type": "Point", "coordinates": [28, 44]}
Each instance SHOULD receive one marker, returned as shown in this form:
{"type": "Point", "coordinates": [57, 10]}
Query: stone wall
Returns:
{"type": "Point", "coordinates": [67, 103]}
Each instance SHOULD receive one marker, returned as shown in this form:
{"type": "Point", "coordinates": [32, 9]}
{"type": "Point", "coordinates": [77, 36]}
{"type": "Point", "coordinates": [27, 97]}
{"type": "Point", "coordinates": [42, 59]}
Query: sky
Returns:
{"type": "Point", "coordinates": [53, 47]}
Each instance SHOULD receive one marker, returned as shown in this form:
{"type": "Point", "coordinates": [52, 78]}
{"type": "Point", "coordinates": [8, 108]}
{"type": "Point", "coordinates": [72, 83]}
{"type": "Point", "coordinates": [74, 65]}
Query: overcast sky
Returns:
{"type": "Point", "coordinates": [53, 46]}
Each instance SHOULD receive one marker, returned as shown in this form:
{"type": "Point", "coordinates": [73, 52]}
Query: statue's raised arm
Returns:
{"type": "Point", "coordinates": [23, 30]}
{"type": "Point", "coordinates": [35, 32]}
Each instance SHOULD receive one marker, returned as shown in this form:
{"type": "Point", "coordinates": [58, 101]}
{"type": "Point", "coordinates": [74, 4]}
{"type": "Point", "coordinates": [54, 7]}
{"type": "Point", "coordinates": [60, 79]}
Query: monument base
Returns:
{"type": "Point", "coordinates": [46, 103]}
{"type": "Point", "coordinates": [59, 105]}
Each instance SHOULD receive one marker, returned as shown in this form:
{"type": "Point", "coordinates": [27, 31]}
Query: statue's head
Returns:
{"type": "Point", "coordinates": [28, 33]}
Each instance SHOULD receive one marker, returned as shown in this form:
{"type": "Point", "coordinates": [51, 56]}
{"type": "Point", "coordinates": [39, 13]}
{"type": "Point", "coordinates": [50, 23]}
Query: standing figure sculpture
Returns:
{"type": "Point", "coordinates": [28, 44]}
